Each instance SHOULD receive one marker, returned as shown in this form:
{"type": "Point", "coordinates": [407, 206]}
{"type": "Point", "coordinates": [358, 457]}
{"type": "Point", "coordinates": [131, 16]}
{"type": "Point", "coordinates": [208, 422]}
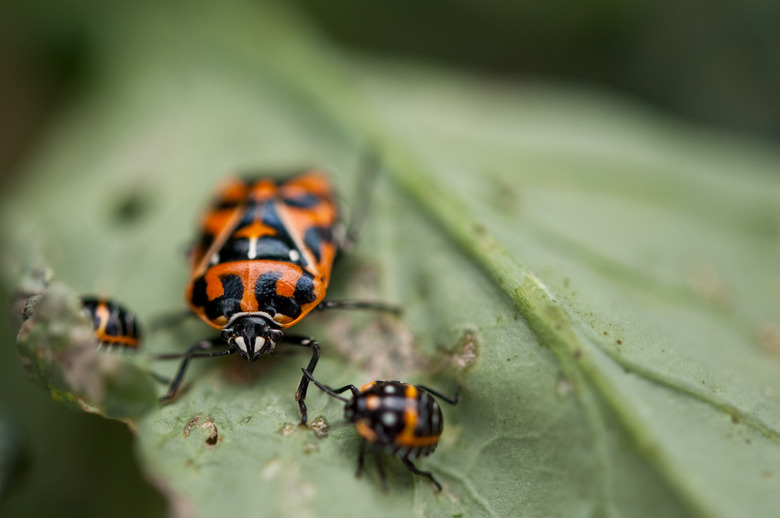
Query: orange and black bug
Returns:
{"type": "Point", "coordinates": [400, 418]}
{"type": "Point", "coordinates": [263, 261]}
{"type": "Point", "coordinates": [114, 326]}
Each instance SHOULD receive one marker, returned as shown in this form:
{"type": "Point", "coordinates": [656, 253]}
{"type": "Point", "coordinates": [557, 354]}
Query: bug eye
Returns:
{"type": "Point", "coordinates": [276, 335]}
{"type": "Point", "coordinates": [226, 334]}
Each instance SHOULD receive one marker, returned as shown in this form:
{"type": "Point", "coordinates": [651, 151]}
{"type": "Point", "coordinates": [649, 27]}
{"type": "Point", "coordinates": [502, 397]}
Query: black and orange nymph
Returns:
{"type": "Point", "coordinates": [262, 262]}
{"type": "Point", "coordinates": [114, 326]}
{"type": "Point", "coordinates": [399, 418]}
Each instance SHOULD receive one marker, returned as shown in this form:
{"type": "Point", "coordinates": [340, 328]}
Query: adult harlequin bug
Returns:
{"type": "Point", "coordinates": [263, 261]}
{"type": "Point", "coordinates": [400, 418]}
{"type": "Point", "coordinates": [114, 326]}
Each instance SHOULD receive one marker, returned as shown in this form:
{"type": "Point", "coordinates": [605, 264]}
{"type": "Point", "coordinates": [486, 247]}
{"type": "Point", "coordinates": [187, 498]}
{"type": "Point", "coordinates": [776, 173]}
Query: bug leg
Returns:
{"type": "Point", "coordinates": [426, 474]}
{"type": "Point", "coordinates": [381, 470]}
{"type": "Point", "coordinates": [452, 401]}
{"type": "Point", "coordinates": [331, 392]}
{"type": "Point", "coordinates": [198, 350]}
{"type": "Point", "coordinates": [159, 378]}
{"type": "Point", "coordinates": [361, 457]}
{"type": "Point", "coordinates": [358, 304]}
{"type": "Point", "coordinates": [303, 386]}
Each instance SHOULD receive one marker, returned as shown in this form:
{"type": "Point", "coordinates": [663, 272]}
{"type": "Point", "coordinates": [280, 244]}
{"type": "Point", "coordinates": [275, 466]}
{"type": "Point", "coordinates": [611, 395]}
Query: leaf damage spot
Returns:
{"type": "Point", "coordinates": [208, 425]}
{"type": "Point", "coordinates": [211, 427]}
{"type": "Point", "coordinates": [310, 448]}
{"type": "Point", "coordinates": [286, 429]}
{"type": "Point", "coordinates": [463, 356]}
{"type": "Point", "coordinates": [320, 428]}
{"type": "Point", "coordinates": [191, 424]}
{"type": "Point", "coordinates": [246, 419]}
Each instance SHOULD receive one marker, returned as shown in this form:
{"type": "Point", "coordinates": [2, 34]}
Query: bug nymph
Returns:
{"type": "Point", "coordinates": [398, 417]}
{"type": "Point", "coordinates": [114, 326]}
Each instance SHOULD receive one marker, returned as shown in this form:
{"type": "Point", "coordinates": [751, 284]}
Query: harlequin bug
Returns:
{"type": "Point", "coordinates": [262, 263]}
{"type": "Point", "coordinates": [400, 418]}
{"type": "Point", "coordinates": [114, 326]}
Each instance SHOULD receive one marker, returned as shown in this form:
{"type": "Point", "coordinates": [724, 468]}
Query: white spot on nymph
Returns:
{"type": "Point", "coordinates": [435, 420]}
{"type": "Point", "coordinates": [389, 389]}
{"type": "Point", "coordinates": [252, 253]}
{"type": "Point", "coordinates": [389, 418]}
{"type": "Point", "coordinates": [259, 342]}
{"type": "Point", "coordinates": [214, 258]}
{"type": "Point", "coordinates": [295, 256]}
{"type": "Point", "coordinates": [241, 343]}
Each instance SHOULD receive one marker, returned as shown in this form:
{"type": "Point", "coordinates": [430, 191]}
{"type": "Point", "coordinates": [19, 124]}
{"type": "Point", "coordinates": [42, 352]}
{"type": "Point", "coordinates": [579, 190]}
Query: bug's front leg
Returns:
{"type": "Point", "coordinates": [303, 386]}
{"type": "Point", "coordinates": [198, 350]}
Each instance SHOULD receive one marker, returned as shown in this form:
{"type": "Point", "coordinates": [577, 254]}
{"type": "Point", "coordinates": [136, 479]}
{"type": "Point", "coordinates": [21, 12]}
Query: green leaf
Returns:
{"type": "Point", "coordinates": [601, 281]}
{"type": "Point", "coordinates": [58, 349]}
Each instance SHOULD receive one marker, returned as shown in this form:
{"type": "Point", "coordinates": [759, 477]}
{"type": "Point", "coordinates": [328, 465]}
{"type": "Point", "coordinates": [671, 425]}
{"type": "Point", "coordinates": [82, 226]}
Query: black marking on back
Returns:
{"type": "Point", "coordinates": [234, 250]}
{"type": "Point", "coordinates": [274, 248]}
{"type": "Point", "coordinates": [271, 247]}
{"type": "Point", "coordinates": [314, 238]}
{"type": "Point", "coordinates": [305, 201]}
{"type": "Point", "coordinates": [226, 304]}
{"type": "Point", "coordinates": [205, 242]}
{"type": "Point", "coordinates": [271, 302]}
{"type": "Point", "coordinates": [388, 403]}
{"type": "Point", "coordinates": [119, 322]}
{"type": "Point", "coordinates": [304, 289]}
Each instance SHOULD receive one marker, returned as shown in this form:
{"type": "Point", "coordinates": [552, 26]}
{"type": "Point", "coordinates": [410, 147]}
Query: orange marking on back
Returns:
{"type": "Point", "coordinates": [127, 341]}
{"type": "Point", "coordinates": [285, 286]}
{"type": "Point", "coordinates": [232, 190]}
{"type": "Point", "coordinates": [373, 402]}
{"type": "Point", "coordinates": [255, 229]}
{"type": "Point", "coordinates": [411, 416]}
{"type": "Point", "coordinates": [314, 181]}
{"type": "Point", "coordinates": [263, 190]}
{"type": "Point", "coordinates": [365, 431]}
{"type": "Point", "coordinates": [415, 442]}
{"type": "Point", "coordinates": [101, 311]}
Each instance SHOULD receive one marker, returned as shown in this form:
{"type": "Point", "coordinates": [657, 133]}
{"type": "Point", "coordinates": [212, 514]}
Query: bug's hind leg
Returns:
{"type": "Point", "coordinates": [426, 474]}
{"type": "Point", "coordinates": [359, 304]}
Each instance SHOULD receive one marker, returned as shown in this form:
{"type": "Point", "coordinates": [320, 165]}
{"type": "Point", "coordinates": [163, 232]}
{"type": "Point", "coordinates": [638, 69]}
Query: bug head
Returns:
{"type": "Point", "coordinates": [253, 336]}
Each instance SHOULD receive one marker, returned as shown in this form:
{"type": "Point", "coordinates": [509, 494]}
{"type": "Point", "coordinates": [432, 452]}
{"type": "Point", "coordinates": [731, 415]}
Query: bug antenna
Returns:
{"type": "Point", "coordinates": [329, 391]}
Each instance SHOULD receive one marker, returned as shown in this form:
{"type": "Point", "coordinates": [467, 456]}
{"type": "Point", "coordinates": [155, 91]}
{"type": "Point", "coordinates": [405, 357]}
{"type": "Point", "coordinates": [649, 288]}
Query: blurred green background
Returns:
{"type": "Point", "coordinates": [716, 63]}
